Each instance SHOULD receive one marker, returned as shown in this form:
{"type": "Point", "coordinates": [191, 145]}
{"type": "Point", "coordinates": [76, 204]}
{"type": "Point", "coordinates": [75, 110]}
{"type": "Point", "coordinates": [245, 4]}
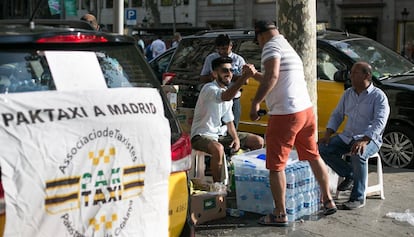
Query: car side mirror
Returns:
{"type": "Point", "coordinates": [341, 76]}
{"type": "Point", "coordinates": [347, 84]}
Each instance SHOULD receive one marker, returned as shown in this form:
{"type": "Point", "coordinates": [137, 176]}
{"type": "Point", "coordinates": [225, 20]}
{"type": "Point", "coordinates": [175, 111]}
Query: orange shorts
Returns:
{"type": "Point", "coordinates": [285, 131]}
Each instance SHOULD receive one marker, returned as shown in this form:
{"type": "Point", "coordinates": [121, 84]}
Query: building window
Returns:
{"type": "Point", "coordinates": [170, 2]}
{"type": "Point", "coordinates": [406, 39]}
{"type": "Point", "coordinates": [136, 3]}
{"type": "Point", "coordinates": [85, 4]}
{"type": "Point", "coordinates": [166, 2]}
{"type": "Point", "coordinates": [110, 3]}
{"type": "Point", "coordinates": [220, 2]}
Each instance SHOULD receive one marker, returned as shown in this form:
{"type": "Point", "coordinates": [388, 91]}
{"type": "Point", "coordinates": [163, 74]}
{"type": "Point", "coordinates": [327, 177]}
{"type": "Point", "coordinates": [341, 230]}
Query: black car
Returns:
{"type": "Point", "coordinates": [336, 53]}
{"type": "Point", "coordinates": [160, 63]}
{"type": "Point", "coordinates": [87, 73]}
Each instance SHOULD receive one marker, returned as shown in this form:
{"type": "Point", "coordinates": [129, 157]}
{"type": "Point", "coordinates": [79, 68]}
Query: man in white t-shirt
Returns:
{"type": "Point", "coordinates": [292, 121]}
{"type": "Point", "coordinates": [214, 108]}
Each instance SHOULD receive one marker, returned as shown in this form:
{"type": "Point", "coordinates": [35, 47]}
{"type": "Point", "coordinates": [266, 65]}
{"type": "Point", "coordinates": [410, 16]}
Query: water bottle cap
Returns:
{"type": "Point", "coordinates": [261, 157]}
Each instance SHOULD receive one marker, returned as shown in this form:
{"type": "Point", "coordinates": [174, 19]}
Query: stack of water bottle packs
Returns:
{"type": "Point", "coordinates": [253, 188]}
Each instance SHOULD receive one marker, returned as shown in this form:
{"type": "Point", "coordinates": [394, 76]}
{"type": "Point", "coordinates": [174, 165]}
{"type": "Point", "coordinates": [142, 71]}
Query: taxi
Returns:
{"type": "Point", "coordinates": [91, 144]}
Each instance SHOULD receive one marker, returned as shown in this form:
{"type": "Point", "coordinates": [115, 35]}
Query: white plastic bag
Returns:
{"type": "Point", "coordinates": [406, 216]}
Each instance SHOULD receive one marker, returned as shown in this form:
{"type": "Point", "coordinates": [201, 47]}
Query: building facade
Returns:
{"type": "Point", "coordinates": [390, 22]}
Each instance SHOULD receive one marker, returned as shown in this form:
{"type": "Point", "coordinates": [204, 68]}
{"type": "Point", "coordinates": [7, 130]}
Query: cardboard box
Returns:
{"type": "Point", "coordinates": [185, 117]}
{"type": "Point", "coordinates": [207, 206]}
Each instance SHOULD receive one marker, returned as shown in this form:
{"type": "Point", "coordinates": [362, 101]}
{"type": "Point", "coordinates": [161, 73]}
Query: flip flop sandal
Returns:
{"type": "Point", "coordinates": [272, 220]}
{"type": "Point", "coordinates": [329, 210]}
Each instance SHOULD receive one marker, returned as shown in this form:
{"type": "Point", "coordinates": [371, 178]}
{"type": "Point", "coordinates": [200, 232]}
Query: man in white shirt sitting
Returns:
{"type": "Point", "coordinates": [214, 107]}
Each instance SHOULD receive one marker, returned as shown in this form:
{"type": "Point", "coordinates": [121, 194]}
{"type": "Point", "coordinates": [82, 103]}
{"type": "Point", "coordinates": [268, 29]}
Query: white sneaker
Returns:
{"type": "Point", "coordinates": [354, 204]}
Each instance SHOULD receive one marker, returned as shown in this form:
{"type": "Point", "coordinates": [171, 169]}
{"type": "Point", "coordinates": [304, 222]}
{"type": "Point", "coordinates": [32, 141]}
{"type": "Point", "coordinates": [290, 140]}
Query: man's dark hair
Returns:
{"type": "Point", "coordinates": [220, 60]}
{"type": "Point", "coordinates": [222, 40]}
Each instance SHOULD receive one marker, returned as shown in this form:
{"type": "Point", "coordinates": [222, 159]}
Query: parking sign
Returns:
{"type": "Point", "coordinates": [131, 16]}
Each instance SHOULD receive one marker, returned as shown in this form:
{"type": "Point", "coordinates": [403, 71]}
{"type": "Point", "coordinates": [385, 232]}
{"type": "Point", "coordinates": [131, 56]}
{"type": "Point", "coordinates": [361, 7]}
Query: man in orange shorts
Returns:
{"type": "Point", "coordinates": [292, 121]}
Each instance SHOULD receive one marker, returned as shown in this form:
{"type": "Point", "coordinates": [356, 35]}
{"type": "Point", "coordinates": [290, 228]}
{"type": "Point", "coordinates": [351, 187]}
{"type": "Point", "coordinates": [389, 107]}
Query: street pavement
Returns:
{"type": "Point", "coordinates": [370, 220]}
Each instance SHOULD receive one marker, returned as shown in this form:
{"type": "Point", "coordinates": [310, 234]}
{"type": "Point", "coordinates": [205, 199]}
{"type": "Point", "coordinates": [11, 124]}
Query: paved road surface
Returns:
{"type": "Point", "coordinates": [368, 221]}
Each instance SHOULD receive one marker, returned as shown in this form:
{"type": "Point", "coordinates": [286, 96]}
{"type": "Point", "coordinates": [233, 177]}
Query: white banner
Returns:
{"type": "Point", "coordinates": [85, 163]}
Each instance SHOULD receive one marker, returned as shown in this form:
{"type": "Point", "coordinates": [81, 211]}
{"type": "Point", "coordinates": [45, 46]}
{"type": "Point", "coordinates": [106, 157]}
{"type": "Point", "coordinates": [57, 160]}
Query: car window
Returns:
{"type": "Point", "coordinates": [191, 54]}
{"type": "Point", "coordinates": [20, 72]}
{"type": "Point", "coordinates": [160, 64]}
{"type": "Point", "coordinates": [29, 71]}
{"type": "Point", "coordinates": [383, 60]}
{"type": "Point", "coordinates": [327, 65]}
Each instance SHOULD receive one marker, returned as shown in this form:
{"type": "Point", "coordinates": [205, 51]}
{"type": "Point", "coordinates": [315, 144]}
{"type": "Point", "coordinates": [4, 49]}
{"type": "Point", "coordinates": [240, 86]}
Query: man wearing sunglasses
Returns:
{"type": "Point", "coordinates": [224, 47]}
{"type": "Point", "coordinates": [214, 107]}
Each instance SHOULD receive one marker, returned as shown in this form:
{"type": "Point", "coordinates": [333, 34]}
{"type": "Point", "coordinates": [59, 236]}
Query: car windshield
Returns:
{"type": "Point", "coordinates": [190, 55]}
{"type": "Point", "coordinates": [384, 61]}
{"type": "Point", "coordinates": [22, 71]}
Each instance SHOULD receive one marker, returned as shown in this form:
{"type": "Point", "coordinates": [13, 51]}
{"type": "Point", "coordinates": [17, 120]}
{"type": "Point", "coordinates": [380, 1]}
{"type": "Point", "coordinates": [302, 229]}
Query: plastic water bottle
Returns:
{"type": "Point", "coordinates": [290, 182]}
{"type": "Point", "coordinates": [317, 198]}
{"type": "Point", "coordinates": [299, 205]}
{"type": "Point", "coordinates": [307, 178]}
{"type": "Point", "coordinates": [312, 179]}
{"type": "Point", "coordinates": [314, 201]}
{"type": "Point", "coordinates": [298, 176]}
{"type": "Point", "coordinates": [301, 177]}
{"type": "Point", "coordinates": [307, 203]}
{"type": "Point", "coordinates": [291, 208]}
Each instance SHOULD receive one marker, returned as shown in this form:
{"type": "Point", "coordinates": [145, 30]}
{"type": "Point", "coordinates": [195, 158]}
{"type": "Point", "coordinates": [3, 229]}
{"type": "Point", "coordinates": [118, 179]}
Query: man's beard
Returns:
{"type": "Point", "coordinates": [223, 81]}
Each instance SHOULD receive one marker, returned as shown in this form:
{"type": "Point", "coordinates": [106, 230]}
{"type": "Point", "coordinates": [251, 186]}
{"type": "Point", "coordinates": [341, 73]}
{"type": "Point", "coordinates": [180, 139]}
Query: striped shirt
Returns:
{"type": "Point", "coordinates": [290, 94]}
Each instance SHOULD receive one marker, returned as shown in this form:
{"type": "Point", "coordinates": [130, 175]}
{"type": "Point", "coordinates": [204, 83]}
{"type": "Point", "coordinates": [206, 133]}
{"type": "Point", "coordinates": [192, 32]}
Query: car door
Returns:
{"type": "Point", "coordinates": [329, 87]}
{"type": "Point", "coordinates": [159, 64]}
{"type": "Point", "coordinates": [252, 54]}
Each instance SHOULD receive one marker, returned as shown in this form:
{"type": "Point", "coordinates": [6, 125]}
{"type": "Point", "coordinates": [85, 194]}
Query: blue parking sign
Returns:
{"type": "Point", "coordinates": [131, 16]}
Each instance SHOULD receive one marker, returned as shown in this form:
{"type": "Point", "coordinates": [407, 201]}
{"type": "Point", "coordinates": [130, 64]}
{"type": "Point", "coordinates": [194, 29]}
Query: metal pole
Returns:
{"type": "Point", "coordinates": [403, 46]}
{"type": "Point", "coordinates": [118, 17]}
{"type": "Point", "coordinates": [234, 13]}
{"type": "Point", "coordinates": [174, 17]}
{"type": "Point", "coordinates": [404, 15]}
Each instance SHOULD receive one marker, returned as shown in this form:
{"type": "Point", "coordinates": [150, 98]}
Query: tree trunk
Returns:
{"type": "Point", "coordinates": [155, 13]}
{"type": "Point", "coordinates": [297, 22]}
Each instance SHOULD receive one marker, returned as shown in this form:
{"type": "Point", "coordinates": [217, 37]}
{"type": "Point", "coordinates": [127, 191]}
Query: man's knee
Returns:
{"type": "Point", "coordinates": [258, 143]}
{"type": "Point", "coordinates": [255, 142]}
{"type": "Point", "coordinates": [215, 148]}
